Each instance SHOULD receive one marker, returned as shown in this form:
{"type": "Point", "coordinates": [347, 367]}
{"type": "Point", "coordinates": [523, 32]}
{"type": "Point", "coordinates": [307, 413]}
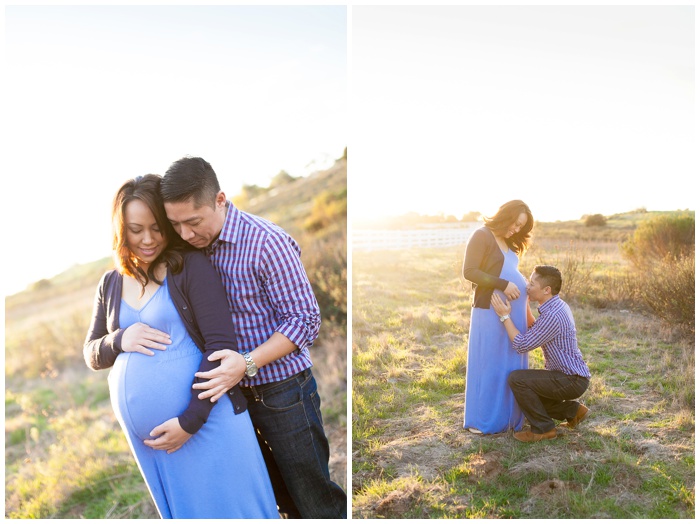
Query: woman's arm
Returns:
{"type": "Point", "coordinates": [208, 304]}
{"type": "Point", "coordinates": [473, 258]}
{"type": "Point", "coordinates": [101, 346]}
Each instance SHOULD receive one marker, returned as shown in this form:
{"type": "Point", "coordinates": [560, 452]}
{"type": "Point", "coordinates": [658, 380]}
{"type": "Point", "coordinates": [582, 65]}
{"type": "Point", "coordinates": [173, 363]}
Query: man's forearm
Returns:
{"type": "Point", "coordinates": [511, 329]}
{"type": "Point", "coordinates": [274, 348]}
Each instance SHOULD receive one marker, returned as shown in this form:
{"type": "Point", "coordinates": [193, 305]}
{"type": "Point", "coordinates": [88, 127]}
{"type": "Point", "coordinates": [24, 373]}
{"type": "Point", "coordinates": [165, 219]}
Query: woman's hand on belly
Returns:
{"type": "Point", "coordinates": [169, 436]}
{"type": "Point", "coordinates": [511, 291]}
{"type": "Point", "coordinates": [141, 338]}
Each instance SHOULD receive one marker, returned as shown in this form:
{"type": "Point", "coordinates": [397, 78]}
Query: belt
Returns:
{"type": "Point", "coordinates": [302, 374]}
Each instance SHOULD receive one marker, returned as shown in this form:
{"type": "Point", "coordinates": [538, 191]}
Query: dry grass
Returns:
{"type": "Point", "coordinates": [633, 457]}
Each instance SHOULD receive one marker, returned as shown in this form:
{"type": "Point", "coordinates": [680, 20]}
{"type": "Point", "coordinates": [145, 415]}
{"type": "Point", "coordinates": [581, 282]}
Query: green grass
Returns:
{"type": "Point", "coordinates": [632, 458]}
{"type": "Point", "coordinates": [61, 452]}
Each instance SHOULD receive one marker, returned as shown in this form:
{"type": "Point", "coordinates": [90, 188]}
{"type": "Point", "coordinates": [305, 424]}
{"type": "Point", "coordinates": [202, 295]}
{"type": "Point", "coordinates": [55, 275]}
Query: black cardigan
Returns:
{"type": "Point", "coordinates": [200, 299]}
{"type": "Point", "coordinates": [483, 262]}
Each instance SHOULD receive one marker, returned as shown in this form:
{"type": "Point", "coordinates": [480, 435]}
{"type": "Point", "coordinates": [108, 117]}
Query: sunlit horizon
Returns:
{"type": "Point", "coordinates": [550, 215]}
{"type": "Point", "coordinates": [576, 110]}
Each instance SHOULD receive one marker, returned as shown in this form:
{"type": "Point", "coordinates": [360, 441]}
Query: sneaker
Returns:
{"type": "Point", "coordinates": [475, 431]}
{"type": "Point", "coordinates": [581, 414]}
{"type": "Point", "coordinates": [529, 436]}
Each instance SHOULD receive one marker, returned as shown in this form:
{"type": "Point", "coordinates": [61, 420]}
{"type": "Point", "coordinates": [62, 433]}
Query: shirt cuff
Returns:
{"type": "Point", "coordinates": [518, 342]}
{"type": "Point", "coordinates": [298, 332]}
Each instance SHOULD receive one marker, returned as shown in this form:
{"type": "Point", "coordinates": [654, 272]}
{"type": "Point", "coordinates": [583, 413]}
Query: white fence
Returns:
{"type": "Point", "coordinates": [373, 239]}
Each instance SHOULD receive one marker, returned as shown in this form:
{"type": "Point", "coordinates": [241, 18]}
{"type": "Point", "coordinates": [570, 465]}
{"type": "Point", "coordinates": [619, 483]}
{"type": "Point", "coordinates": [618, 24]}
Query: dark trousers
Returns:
{"type": "Point", "coordinates": [545, 395]}
{"type": "Point", "coordinates": [287, 419]}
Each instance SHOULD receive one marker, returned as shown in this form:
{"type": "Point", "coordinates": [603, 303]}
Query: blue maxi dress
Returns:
{"type": "Point", "coordinates": [489, 402]}
{"type": "Point", "coordinates": [219, 472]}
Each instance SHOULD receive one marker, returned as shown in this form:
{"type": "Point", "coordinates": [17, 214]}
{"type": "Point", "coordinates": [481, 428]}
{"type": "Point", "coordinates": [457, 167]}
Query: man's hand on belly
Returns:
{"type": "Point", "coordinates": [170, 436]}
{"type": "Point", "coordinates": [222, 378]}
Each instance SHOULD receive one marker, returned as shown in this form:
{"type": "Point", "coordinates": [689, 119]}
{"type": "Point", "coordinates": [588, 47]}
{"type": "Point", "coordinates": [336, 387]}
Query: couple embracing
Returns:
{"type": "Point", "coordinates": [206, 325]}
{"type": "Point", "coordinates": [501, 392]}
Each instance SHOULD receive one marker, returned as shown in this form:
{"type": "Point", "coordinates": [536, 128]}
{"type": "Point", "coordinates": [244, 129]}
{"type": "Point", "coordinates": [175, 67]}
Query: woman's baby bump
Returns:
{"type": "Point", "coordinates": [151, 390]}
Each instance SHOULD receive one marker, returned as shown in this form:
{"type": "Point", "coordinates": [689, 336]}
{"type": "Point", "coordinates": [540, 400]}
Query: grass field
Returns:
{"type": "Point", "coordinates": [65, 454]}
{"type": "Point", "coordinates": [633, 457]}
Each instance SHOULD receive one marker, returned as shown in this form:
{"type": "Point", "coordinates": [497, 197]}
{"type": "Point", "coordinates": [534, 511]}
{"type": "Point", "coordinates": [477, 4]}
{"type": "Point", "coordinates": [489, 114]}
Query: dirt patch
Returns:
{"type": "Point", "coordinates": [398, 502]}
{"type": "Point", "coordinates": [486, 467]}
{"type": "Point", "coordinates": [426, 457]}
{"type": "Point", "coordinates": [549, 460]}
{"type": "Point", "coordinates": [551, 492]}
{"type": "Point", "coordinates": [410, 498]}
{"type": "Point", "coordinates": [554, 488]}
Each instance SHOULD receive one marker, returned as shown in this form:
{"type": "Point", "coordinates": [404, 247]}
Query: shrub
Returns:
{"type": "Point", "coordinates": [326, 265]}
{"type": "Point", "coordinates": [280, 179]}
{"type": "Point", "coordinates": [40, 284]}
{"type": "Point", "coordinates": [595, 220]}
{"type": "Point", "coordinates": [663, 251]}
{"type": "Point", "coordinates": [575, 264]}
{"type": "Point", "coordinates": [328, 208]}
{"type": "Point", "coordinates": [668, 289]}
{"type": "Point", "coordinates": [661, 237]}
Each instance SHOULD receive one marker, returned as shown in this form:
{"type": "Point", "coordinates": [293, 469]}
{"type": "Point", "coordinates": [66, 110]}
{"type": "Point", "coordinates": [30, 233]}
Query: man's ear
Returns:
{"type": "Point", "coordinates": [547, 290]}
{"type": "Point", "coordinates": [220, 199]}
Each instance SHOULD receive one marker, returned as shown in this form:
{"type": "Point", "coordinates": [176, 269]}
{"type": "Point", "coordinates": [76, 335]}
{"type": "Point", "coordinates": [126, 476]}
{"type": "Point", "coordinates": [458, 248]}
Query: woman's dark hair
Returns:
{"type": "Point", "coordinates": [190, 177]}
{"type": "Point", "coordinates": [506, 215]}
{"type": "Point", "coordinates": [146, 189]}
{"type": "Point", "coordinates": [549, 276]}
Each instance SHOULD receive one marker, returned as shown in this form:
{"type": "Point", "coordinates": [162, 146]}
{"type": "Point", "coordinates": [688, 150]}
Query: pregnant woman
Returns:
{"type": "Point", "coordinates": [491, 264]}
{"type": "Point", "coordinates": [156, 319]}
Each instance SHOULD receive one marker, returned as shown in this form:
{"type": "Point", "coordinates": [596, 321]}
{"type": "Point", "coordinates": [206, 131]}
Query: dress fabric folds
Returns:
{"type": "Point", "coordinates": [220, 471]}
{"type": "Point", "coordinates": [489, 403]}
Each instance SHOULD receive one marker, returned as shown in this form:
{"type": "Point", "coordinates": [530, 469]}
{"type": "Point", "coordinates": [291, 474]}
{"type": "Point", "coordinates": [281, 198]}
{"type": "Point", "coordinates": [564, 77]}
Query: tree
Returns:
{"type": "Point", "coordinates": [281, 179]}
{"type": "Point", "coordinates": [472, 216]}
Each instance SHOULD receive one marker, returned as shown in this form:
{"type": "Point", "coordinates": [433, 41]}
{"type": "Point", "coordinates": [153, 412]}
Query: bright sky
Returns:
{"type": "Point", "coordinates": [574, 109]}
{"type": "Point", "coordinates": [94, 95]}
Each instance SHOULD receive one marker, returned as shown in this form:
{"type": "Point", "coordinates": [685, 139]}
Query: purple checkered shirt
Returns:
{"type": "Point", "coordinates": [555, 332]}
{"type": "Point", "coordinates": [267, 289]}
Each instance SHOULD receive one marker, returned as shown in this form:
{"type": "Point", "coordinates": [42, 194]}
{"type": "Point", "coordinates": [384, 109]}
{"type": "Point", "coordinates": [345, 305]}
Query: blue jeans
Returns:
{"type": "Point", "coordinates": [287, 419]}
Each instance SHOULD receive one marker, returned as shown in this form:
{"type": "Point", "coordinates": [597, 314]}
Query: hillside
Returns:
{"type": "Point", "coordinates": [291, 206]}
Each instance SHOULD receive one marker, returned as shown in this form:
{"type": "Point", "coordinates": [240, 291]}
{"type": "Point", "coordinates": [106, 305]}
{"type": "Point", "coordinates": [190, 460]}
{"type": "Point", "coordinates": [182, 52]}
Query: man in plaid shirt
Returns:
{"type": "Point", "coordinates": [277, 319]}
{"type": "Point", "coordinates": [550, 393]}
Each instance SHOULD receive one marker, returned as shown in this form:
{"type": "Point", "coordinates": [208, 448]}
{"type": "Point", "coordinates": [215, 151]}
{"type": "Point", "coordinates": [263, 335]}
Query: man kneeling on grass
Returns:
{"type": "Point", "coordinates": [546, 394]}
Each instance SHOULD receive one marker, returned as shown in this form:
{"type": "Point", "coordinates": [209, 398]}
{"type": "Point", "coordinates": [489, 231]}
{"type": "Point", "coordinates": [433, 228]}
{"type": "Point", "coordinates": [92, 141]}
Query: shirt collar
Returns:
{"type": "Point", "coordinates": [549, 304]}
{"type": "Point", "coordinates": [229, 231]}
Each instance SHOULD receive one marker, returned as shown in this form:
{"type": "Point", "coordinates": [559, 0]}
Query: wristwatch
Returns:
{"type": "Point", "coordinates": [251, 369]}
{"type": "Point", "coordinates": [504, 318]}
